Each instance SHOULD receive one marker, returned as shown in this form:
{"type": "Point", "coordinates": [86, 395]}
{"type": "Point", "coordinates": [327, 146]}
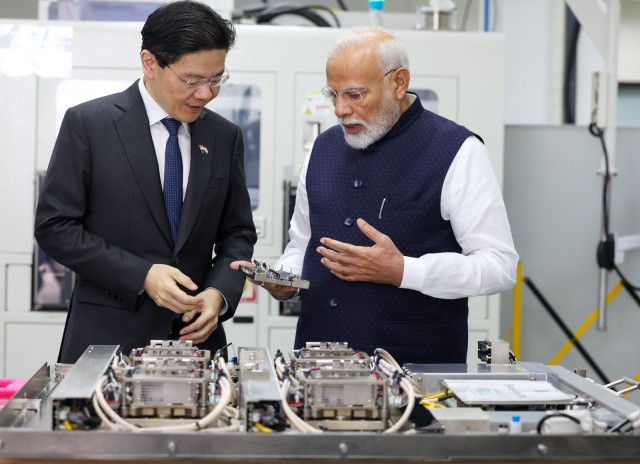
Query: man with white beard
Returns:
{"type": "Point", "coordinates": [398, 217]}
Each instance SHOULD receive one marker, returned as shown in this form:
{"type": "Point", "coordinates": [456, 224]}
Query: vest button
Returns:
{"type": "Point", "coordinates": [369, 148]}
{"type": "Point", "coordinates": [348, 222]}
{"type": "Point", "coordinates": [357, 183]}
{"type": "Point", "coordinates": [334, 302]}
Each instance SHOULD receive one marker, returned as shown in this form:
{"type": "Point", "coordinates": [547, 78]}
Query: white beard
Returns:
{"type": "Point", "coordinates": [381, 122]}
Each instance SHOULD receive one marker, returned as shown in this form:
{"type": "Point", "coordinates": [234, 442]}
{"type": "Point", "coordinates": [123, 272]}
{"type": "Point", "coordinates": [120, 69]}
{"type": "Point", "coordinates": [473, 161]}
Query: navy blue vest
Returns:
{"type": "Point", "coordinates": [406, 170]}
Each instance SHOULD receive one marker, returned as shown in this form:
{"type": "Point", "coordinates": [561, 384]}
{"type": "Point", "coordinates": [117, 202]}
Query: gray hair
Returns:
{"type": "Point", "coordinates": [391, 52]}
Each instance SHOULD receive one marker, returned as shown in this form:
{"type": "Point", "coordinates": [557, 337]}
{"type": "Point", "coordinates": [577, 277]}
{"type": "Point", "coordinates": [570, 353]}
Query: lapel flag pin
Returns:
{"type": "Point", "coordinates": [204, 150]}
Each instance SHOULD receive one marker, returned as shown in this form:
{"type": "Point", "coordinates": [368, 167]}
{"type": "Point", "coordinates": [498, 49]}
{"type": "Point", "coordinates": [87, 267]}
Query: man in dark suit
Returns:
{"type": "Point", "coordinates": [102, 211]}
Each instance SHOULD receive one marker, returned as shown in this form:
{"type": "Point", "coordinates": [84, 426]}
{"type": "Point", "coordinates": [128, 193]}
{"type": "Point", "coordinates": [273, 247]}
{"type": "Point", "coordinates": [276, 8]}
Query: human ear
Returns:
{"type": "Point", "coordinates": [401, 82]}
{"type": "Point", "coordinates": [149, 63]}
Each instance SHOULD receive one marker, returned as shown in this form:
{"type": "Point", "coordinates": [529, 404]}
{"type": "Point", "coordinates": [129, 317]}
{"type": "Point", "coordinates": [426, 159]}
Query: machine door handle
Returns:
{"type": "Point", "coordinates": [243, 319]}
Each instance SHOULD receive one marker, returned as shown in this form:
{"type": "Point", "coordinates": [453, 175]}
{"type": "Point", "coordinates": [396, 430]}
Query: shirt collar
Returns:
{"type": "Point", "coordinates": [155, 113]}
{"type": "Point", "coordinates": [406, 118]}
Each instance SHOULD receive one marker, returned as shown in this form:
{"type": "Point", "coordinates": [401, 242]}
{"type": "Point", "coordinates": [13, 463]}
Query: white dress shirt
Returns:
{"type": "Point", "coordinates": [472, 201]}
{"type": "Point", "coordinates": [160, 135]}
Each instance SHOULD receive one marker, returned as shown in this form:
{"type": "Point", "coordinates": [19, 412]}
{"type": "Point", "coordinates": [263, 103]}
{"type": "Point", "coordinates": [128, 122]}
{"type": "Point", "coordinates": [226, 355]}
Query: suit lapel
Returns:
{"type": "Point", "coordinates": [202, 153]}
{"type": "Point", "coordinates": [133, 130]}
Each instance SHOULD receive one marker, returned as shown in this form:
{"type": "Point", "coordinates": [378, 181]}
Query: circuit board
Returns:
{"type": "Point", "coordinates": [261, 272]}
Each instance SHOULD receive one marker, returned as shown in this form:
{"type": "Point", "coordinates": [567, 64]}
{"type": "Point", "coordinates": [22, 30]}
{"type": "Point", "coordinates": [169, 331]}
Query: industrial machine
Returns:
{"type": "Point", "coordinates": [170, 400]}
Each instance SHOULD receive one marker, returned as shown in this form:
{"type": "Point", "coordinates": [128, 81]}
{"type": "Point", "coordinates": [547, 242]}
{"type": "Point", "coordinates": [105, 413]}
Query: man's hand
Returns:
{"type": "Point", "coordinates": [381, 263]}
{"type": "Point", "coordinates": [279, 292]}
{"type": "Point", "coordinates": [161, 284]}
{"type": "Point", "coordinates": [203, 320]}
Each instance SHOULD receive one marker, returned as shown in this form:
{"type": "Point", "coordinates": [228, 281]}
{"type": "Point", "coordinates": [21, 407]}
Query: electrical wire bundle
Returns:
{"type": "Point", "coordinates": [382, 363]}
{"type": "Point", "coordinates": [388, 365]}
{"type": "Point", "coordinates": [223, 410]}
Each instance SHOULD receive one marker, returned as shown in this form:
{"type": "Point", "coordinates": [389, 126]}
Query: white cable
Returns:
{"type": "Point", "coordinates": [296, 422]}
{"type": "Point", "coordinates": [105, 420]}
{"type": "Point", "coordinates": [206, 421]}
{"type": "Point", "coordinates": [390, 361]}
{"type": "Point", "coordinates": [384, 354]}
{"type": "Point", "coordinates": [108, 412]}
{"type": "Point", "coordinates": [232, 413]}
{"type": "Point", "coordinates": [233, 427]}
{"type": "Point", "coordinates": [388, 369]}
{"type": "Point", "coordinates": [234, 391]}
{"type": "Point", "coordinates": [280, 367]}
{"type": "Point", "coordinates": [411, 397]}
{"type": "Point", "coordinates": [232, 417]}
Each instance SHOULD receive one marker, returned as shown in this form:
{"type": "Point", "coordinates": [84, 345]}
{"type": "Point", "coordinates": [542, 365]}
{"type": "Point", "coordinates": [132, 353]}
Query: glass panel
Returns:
{"type": "Point", "coordinates": [241, 104]}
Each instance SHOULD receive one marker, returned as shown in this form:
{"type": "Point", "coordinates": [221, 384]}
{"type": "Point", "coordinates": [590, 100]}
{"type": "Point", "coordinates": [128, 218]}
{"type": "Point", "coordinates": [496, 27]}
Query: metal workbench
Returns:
{"type": "Point", "coordinates": [26, 436]}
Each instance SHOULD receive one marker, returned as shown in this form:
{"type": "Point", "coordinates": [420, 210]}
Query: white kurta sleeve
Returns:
{"type": "Point", "coordinates": [299, 228]}
{"type": "Point", "coordinates": [472, 201]}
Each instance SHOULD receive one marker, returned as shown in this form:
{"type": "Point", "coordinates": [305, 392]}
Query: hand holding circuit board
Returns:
{"type": "Point", "coordinates": [281, 284]}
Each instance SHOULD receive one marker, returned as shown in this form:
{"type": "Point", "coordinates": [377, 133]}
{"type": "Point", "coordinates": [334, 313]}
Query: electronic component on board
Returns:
{"type": "Point", "coordinates": [263, 273]}
{"type": "Point", "coordinates": [71, 400]}
{"type": "Point", "coordinates": [338, 388]}
{"type": "Point", "coordinates": [167, 378]}
{"type": "Point", "coordinates": [260, 398]}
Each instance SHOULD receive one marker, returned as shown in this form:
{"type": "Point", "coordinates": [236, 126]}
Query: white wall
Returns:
{"type": "Point", "coordinates": [553, 198]}
{"type": "Point", "coordinates": [629, 58]}
{"type": "Point", "coordinates": [534, 34]}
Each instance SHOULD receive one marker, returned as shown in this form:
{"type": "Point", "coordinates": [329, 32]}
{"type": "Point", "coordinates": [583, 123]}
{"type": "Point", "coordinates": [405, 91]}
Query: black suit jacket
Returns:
{"type": "Point", "coordinates": [101, 213]}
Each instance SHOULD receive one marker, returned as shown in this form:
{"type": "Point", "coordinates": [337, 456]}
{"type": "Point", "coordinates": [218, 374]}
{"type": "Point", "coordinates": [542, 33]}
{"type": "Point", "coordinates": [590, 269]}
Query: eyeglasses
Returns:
{"type": "Point", "coordinates": [353, 95]}
{"type": "Point", "coordinates": [192, 84]}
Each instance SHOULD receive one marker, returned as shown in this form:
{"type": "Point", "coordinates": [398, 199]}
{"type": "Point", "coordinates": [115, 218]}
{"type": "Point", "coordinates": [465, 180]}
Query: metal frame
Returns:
{"type": "Point", "coordinates": [25, 433]}
{"type": "Point", "coordinates": [98, 445]}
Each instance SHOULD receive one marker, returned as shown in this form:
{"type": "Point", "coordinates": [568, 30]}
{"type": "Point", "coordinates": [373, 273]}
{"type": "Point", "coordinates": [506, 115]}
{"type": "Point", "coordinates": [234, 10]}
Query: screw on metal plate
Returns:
{"type": "Point", "coordinates": [544, 449]}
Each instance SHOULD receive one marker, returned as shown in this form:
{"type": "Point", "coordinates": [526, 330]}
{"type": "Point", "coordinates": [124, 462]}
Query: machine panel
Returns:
{"type": "Point", "coordinates": [171, 401]}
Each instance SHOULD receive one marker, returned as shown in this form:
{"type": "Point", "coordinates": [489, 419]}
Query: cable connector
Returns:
{"type": "Point", "coordinates": [606, 252]}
